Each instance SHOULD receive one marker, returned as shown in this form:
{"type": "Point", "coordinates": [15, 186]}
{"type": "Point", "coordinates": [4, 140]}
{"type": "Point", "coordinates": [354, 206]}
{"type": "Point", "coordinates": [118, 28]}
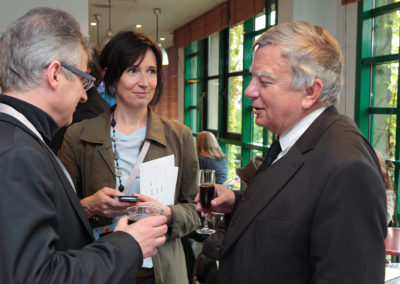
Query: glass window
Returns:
{"type": "Point", "coordinates": [235, 104]}
{"type": "Point", "coordinates": [260, 22]}
{"type": "Point", "coordinates": [213, 54]}
{"type": "Point", "coordinates": [385, 84]}
{"type": "Point", "coordinates": [234, 159]}
{"type": "Point", "coordinates": [384, 134]}
{"type": "Point", "coordinates": [212, 104]}
{"type": "Point", "coordinates": [376, 111]}
{"type": "Point", "coordinates": [236, 48]}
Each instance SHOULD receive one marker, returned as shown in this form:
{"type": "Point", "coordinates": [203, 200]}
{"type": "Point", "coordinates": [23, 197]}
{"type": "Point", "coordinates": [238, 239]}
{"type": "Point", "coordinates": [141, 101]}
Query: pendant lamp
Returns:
{"type": "Point", "coordinates": [157, 12]}
{"type": "Point", "coordinates": [109, 33]}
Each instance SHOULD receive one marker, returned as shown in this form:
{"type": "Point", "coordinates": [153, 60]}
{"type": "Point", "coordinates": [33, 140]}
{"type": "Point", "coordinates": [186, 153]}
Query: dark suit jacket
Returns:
{"type": "Point", "coordinates": [317, 215]}
{"type": "Point", "coordinates": [45, 236]}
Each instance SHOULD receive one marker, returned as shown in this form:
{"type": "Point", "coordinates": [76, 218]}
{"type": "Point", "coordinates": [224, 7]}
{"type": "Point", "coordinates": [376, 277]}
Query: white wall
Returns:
{"type": "Point", "coordinates": [341, 22]}
{"type": "Point", "coordinates": [10, 10]}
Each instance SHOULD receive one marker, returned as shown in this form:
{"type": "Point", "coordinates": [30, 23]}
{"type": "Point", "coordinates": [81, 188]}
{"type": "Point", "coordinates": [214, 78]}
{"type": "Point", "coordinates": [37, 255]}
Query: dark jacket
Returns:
{"type": "Point", "coordinates": [45, 236]}
{"type": "Point", "coordinates": [317, 215]}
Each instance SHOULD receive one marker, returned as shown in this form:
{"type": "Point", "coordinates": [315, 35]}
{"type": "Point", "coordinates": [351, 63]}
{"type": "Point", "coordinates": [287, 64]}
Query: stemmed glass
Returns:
{"type": "Point", "coordinates": [207, 188]}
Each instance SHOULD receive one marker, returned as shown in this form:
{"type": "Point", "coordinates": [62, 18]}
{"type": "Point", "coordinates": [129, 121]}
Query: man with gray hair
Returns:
{"type": "Point", "coordinates": [45, 236]}
{"type": "Point", "coordinates": [315, 210]}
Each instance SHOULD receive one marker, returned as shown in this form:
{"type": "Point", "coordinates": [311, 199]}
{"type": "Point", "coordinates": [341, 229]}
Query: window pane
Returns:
{"type": "Point", "coordinates": [213, 54]}
{"type": "Point", "coordinates": [384, 133]}
{"type": "Point", "coordinates": [212, 104]}
{"type": "Point", "coordinates": [385, 87]}
{"type": "Point", "coordinates": [387, 34]}
{"type": "Point", "coordinates": [193, 67]}
{"type": "Point", "coordinates": [235, 104]}
{"type": "Point", "coordinates": [193, 120]}
{"type": "Point", "coordinates": [193, 94]}
{"type": "Point", "coordinates": [380, 3]}
{"type": "Point", "coordinates": [260, 22]}
{"type": "Point", "coordinates": [234, 162]}
{"type": "Point", "coordinates": [272, 16]}
{"type": "Point", "coordinates": [257, 131]}
{"type": "Point", "coordinates": [236, 48]}
{"type": "Point", "coordinates": [256, 153]}
{"type": "Point", "coordinates": [194, 46]}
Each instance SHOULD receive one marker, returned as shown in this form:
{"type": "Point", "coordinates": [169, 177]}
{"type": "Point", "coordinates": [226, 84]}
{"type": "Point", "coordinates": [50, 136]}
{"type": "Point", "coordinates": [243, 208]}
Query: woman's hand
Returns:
{"type": "Point", "coordinates": [102, 203]}
{"type": "Point", "coordinates": [147, 200]}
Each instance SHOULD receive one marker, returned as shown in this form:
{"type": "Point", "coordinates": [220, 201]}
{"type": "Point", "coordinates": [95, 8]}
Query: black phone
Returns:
{"type": "Point", "coordinates": [131, 199]}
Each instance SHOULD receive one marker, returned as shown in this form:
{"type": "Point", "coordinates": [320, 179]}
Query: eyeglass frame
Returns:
{"type": "Point", "coordinates": [90, 79]}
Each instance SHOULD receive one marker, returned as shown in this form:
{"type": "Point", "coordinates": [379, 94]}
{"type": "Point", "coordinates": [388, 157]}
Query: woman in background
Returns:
{"type": "Point", "coordinates": [101, 153]}
{"type": "Point", "coordinates": [211, 156]}
{"type": "Point", "coordinates": [388, 182]}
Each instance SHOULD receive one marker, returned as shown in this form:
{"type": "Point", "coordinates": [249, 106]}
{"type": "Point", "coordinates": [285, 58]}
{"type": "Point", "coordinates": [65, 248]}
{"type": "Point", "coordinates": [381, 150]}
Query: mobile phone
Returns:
{"type": "Point", "coordinates": [131, 199]}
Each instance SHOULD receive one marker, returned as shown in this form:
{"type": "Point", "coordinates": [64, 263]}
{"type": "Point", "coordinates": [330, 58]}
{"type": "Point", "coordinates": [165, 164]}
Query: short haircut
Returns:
{"type": "Point", "coordinates": [312, 53]}
{"type": "Point", "coordinates": [123, 51]}
{"type": "Point", "coordinates": [29, 45]}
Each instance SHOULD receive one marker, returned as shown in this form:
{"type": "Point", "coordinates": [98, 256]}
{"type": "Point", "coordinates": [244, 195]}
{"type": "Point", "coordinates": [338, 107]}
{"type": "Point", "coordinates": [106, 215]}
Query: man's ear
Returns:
{"type": "Point", "coordinates": [312, 94]}
{"type": "Point", "coordinates": [54, 71]}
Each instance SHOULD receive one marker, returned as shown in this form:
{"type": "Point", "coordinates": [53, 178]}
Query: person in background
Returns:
{"type": "Point", "coordinates": [315, 212]}
{"type": "Point", "coordinates": [101, 153]}
{"type": "Point", "coordinates": [248, 171]}
{"type": "Point", "coordinates": [211, 156]}
{"type": "Point", "coordinates": [388, 182]}
{"type": "Point", "coordinates": [94, 105]}
{"type": "Point", "coordinates": [45, 236]}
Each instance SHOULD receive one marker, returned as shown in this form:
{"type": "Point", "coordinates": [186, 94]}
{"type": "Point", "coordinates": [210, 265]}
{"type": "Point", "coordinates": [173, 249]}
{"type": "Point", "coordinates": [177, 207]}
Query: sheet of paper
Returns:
{"type": "Point", "coordinates": [158, 179]}
{"type": "Point", "coordinates": [392, 271]}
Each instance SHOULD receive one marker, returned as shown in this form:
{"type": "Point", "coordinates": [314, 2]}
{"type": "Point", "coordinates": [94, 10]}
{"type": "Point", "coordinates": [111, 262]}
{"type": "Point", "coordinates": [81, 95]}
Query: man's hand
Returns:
{"type": "Point", "coordinates": [149, 232]}
{"type": "Point", "coordinates": [223, 201]}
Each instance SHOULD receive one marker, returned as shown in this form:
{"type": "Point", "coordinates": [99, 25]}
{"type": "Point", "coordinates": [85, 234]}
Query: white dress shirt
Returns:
{"type": "Point", "coordinates": [290, 137]}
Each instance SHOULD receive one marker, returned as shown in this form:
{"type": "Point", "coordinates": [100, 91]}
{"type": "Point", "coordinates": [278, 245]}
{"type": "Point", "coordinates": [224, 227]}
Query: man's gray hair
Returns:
{"type": "Point", "coordinates": [29, 45]}
{"type": "Point", "coordinates": [312, 53]}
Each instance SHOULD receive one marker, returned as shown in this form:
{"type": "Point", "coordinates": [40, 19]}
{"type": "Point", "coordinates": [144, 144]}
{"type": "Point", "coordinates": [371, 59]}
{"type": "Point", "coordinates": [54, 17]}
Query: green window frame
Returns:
{"type": "Point", "coordinates": [240, 138]}
{"type": "Point", "coordinates": [377, 109]}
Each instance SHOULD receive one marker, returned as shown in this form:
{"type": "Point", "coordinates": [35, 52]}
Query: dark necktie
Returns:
{"type": "Point", "coordinates": [271, 155]}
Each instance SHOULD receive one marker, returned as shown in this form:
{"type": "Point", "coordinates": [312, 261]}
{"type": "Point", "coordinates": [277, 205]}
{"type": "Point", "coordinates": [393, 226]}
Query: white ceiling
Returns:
{"type": "Point", "coordinates": [126, 14]}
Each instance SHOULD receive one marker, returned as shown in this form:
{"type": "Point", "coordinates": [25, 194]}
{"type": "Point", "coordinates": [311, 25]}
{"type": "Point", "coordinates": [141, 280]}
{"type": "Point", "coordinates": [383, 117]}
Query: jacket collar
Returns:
{"type": "Point", "coordinates": [98, 129]}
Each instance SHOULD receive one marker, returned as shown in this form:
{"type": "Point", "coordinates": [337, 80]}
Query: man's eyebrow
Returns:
{"type": "Point", "coordinates": [261, 73]}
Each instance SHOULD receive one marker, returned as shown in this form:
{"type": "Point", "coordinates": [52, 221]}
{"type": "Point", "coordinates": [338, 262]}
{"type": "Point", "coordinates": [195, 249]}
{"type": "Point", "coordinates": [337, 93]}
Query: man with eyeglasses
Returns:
{"type": "Point", "coordinates": [45, 236]}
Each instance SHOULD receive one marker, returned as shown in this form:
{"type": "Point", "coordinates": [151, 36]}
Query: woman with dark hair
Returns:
{"type": "Point", "coordinates": [102, 153]}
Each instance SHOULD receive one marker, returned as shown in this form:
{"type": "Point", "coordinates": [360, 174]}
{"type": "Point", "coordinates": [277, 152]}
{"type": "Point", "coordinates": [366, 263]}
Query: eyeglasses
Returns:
{"type": "Point", "coordinates": [86, 79]}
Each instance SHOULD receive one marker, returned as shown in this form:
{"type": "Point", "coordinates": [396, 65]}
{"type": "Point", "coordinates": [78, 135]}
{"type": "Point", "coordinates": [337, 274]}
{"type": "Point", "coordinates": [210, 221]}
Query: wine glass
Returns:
{"type": "Point", "coordinates": [207, 188]}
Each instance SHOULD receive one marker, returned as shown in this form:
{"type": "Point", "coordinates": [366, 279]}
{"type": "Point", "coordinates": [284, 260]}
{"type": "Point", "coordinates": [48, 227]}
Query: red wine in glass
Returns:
{"type": "Point", "coordinates": [207, 188]}
{"type": "Point", "coordinates": [206, 195]}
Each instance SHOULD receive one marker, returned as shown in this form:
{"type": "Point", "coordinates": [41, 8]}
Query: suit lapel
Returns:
{"type": "Point", "coordinates": [73, 198]}
{"type": "Point", "coordinates": [260, 193]}
{"type": "Point", "coordinates": [265, 186]}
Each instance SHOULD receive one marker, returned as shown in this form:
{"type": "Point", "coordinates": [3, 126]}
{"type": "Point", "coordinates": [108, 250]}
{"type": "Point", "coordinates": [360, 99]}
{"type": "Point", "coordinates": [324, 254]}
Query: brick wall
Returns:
{"type": "Point", "coordinates": [168, 105]}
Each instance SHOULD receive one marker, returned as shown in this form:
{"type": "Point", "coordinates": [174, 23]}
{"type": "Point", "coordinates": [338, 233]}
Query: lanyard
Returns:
{"type": "Point", "coordinates": [140, 159]}
{"type": "Point", "coordinates": [21, 118]}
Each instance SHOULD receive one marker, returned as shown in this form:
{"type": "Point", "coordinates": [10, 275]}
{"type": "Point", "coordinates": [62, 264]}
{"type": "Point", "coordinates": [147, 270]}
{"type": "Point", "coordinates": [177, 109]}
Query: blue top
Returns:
{"type": "Point", "coordinates": [220, 167]}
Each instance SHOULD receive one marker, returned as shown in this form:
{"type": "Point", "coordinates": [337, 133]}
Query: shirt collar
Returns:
{"type": "Point", "coordinates": [43, 122]}
{"type": "Point", "coordinates": [290, 137]}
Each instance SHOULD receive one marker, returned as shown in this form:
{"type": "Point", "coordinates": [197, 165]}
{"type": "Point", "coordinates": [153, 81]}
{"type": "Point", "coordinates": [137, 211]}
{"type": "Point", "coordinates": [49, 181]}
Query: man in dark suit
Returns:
{"type": "Point", "coordinates": [45, 236]}
{"type": "Point", "coordinates": [315, 213]}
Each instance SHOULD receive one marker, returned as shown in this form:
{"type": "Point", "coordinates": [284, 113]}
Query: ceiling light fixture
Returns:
{"type": "Point", "coordinates": [157, 12]}
{"type": "Point", "coordinates": [109, 33]}
{"type": "Point", "coordinates": [98, 18]}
